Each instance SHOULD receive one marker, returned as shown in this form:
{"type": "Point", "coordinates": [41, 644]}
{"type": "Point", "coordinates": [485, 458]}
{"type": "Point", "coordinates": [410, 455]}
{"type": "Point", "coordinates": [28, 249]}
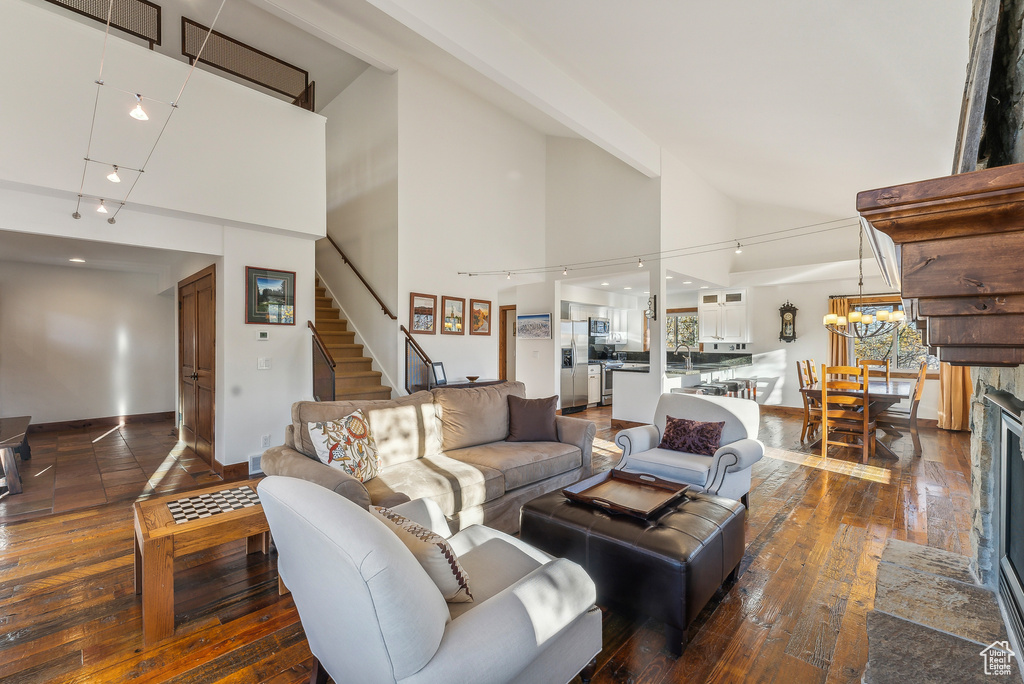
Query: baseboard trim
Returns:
{"type": "Point", "coordinates": [798, 411]}
{"type": "Point", "coordinates": [231, 473]}
{"type": "Point", "coordinates": [109, 421]}
{"type": "Point", "coordinates": [618, 424]}
{"type": "Point", "coordinates": [783, 410]}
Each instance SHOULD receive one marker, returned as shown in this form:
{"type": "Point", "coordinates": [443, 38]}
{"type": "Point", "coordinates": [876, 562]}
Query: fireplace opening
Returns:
{"type": "Point", "coordinates": [1011, 536]}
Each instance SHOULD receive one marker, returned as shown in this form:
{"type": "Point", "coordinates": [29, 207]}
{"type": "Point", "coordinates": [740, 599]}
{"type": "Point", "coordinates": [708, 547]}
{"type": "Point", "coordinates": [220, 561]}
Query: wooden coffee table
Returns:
{"type": "Point", "coordinates": [159, 539]}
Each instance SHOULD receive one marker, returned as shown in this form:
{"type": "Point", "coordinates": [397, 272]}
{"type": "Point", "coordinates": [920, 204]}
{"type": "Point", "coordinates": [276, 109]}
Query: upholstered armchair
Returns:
{"type": "Point", "coordinates": [372, 614]}
{"type": "Point", "coordinates": [727, 473]}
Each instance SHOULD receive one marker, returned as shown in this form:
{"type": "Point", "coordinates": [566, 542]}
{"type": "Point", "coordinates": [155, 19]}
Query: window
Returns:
{"type": "Point", "coordinates": [904, 348]}
{"type": "Point", "coordinates": [681, 328]}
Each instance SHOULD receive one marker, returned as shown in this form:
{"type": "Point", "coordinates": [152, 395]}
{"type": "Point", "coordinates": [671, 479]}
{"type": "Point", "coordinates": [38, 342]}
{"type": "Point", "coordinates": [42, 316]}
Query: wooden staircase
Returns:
{"type": "Point", "coordinates": [354, 377]}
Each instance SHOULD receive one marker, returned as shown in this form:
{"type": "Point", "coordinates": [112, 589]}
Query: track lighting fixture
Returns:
{"type": "Point", "coordinates": [138, 112]}
{"type": "Point", "coordinates": [76, 215]}
{"type": "Point", "coordinates": [102, 209]}
{"type": "Point", "coordinates": [508, 276]}
{"type": "Point", "coordinates": [639, 262]}
{"type": "Point", "coordinates": [111, 220]}
{"type": "Point", "coordinates": [565, 271]}
{"type": "Point", "coordinates": [739, 249]}
{"type": "Point", "coordinates": [113, 177]}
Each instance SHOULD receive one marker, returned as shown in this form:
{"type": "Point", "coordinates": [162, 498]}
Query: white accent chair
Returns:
{"type": "Point", "coordinates": [727, 473]}
{"type": "Point", "coordinates": [372, 614]}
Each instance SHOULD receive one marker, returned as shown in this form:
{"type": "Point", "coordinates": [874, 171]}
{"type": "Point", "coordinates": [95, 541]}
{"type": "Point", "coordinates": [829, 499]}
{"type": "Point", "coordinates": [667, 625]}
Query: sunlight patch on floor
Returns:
{"type": "Point", "coordinates": [832, 465]}
{"type": "Point", "coordinates": [111, 430]}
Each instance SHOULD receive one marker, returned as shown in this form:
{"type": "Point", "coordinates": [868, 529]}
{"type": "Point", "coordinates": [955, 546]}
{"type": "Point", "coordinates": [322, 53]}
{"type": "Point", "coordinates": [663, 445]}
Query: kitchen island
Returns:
{"type": "Point", "coordinates": [635, 390]}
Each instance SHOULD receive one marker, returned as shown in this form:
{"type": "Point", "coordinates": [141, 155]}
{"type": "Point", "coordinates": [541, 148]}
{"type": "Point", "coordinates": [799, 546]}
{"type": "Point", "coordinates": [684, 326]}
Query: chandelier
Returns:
{"type": "Point", "coordinates": [860, 325]}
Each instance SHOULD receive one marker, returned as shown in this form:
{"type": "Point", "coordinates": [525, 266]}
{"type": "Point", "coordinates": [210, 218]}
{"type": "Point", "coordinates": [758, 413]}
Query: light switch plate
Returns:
{"type": "Point", "coordinates": [263, 363]}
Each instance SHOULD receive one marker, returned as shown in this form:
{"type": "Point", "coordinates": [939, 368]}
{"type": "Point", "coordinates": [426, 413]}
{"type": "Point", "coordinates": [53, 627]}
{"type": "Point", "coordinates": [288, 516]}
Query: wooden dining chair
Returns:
{"type": "Point", "coordinates": [878, 367]}
{"type": "Point", "coordinates": [846, 415]}
{"type": "Point", "coordinates": [896, 418]}
{"type": "Point", "coordinates": [812, 409]}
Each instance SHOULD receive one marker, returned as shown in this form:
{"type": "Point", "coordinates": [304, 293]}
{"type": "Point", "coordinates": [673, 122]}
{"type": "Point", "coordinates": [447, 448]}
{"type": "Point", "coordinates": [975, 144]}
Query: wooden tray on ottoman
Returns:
{"type": "Point", "coordinates": [616, 491]}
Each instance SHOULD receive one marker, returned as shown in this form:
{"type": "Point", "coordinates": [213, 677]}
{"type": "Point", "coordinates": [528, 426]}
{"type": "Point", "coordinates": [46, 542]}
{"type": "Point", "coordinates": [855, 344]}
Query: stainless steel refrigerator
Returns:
{"type": "Point", "coordinates": [575, 357]}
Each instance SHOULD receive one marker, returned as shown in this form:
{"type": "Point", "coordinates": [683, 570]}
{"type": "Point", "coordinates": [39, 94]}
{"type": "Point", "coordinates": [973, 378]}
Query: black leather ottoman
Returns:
{"type": "Point", "coordinates": [667, 568]}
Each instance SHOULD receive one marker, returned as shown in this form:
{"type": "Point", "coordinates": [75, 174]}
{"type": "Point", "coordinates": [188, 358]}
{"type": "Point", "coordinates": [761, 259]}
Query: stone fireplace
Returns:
{"type": "Point", "coordinates": [997, 479]}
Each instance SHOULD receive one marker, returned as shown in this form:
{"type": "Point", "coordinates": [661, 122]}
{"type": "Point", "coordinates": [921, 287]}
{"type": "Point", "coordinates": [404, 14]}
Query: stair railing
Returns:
{"type": "Point", "coordinates": [323, 368]}
{"type": "Point", "coordinates": [383, 306]}
{"type": "Point", "coordinates": [419, 370]}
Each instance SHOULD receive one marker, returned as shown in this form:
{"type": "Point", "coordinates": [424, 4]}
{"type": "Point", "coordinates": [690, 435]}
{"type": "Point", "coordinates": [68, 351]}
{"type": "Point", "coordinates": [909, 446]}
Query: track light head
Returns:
{"type": "Point", "coordinates": [739, 249]}
{"type": "Point", "coordinates": [102, 209]}
{"type": "Point", "coordinates": [565, 270]}
{"type": "Point", "coordinates": [508, 276]}
{"type": "Point", "coordinates": [113, 177]}
{"type": "Point", "coordinates": [139, 113]}
{"type": "Point", "coordinates": [639, 262]}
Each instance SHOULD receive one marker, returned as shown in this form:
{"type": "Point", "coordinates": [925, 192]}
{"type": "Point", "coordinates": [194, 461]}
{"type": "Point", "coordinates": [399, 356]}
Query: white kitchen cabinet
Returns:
{"type": "Point", "coordinates": [593, 385]}
{"type": "Point", "coordinates": [722, 317]}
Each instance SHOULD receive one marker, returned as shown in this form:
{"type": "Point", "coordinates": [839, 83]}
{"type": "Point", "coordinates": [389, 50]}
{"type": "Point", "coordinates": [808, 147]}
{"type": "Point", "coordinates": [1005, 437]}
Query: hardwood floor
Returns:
{"type": "Point", "coordinates": [73, 469]}
{"type": "Point", "coordinates": [797, 613]}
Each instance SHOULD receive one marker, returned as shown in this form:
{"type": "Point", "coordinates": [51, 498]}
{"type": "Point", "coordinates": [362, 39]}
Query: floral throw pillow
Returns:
{"type": "Point", "coordinates": [433, 552]}
{"type": "Point", "coordinates": [347, 444]}
{"type": "Point", "coordinates": [692, 436]}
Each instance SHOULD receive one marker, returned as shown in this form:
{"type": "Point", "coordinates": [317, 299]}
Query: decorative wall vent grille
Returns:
{"type": "Point", "coordinates": [244, 61]}
{"type": "Point", "coordinates": [140, 18]}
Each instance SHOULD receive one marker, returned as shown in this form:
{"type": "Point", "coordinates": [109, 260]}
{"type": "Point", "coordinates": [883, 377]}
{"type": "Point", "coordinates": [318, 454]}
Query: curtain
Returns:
{"type": "Point", "coordinates": [954, 397]}
{"type": "Point", "coordinates": [838, 346]}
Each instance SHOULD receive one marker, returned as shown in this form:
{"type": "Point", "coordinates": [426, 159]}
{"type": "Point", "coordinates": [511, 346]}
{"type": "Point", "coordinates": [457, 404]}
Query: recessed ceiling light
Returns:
{"type": "Point", "coordinates": [668, 277]}
{"type": "Point", "coordinates": [703, 287]}
{"type": "Point", "coordinates": [627, 288]}
{"type": "Point", "coordinates": [687, 282]}
{"type": "Point", "coordinates": [647, 292]}
{"type": "Point", "coordinates": [606, 284]}
{"type": "Point", "coordinates": [76, 260]}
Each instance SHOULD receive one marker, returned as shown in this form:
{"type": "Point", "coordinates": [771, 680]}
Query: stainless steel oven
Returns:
{"type": "Point", "coordinates": [606, 381]}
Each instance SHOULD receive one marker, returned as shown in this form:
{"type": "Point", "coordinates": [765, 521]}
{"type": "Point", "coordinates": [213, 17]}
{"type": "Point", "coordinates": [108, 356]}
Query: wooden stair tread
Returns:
{"type": "Point", "coordinates": [354, 377]}
{"type": "Point", "coordinates": [358, 374]}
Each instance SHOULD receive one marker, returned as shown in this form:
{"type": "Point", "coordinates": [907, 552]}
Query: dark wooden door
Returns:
{"type": "Point", "coordinates": [197, 353]}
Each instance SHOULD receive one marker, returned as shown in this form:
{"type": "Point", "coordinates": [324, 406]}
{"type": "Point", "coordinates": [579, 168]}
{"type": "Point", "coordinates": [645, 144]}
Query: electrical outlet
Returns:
{"type": "Point", "coordinates": [265, 441]}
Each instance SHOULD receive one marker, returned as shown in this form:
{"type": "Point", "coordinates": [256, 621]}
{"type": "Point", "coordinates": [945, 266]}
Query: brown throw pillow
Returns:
{"type": "Point", "coordinates": [692, 436]}
{"type": "Point", "coordinates": [532, 420]}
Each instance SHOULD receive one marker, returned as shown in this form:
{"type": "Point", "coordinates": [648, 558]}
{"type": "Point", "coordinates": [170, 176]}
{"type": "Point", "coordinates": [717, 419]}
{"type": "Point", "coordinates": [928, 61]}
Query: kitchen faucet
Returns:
{"type": "Point", "coordinates": [689, 360]}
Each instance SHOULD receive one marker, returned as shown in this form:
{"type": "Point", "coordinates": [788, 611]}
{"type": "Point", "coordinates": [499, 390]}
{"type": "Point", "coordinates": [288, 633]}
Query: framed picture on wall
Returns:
{"type": "Point", "coordinates": [440, 379]}
{"type": "Point", "coordinates": [422, 312]}
{"type": "Point", "coordinates": [453, 316]}
{"type": "Point", "coordinates": [533, 326]}
{"type": "Point", "coordinates": [479, 317]}
{"type": "Point", "coordinates": [269, 296]}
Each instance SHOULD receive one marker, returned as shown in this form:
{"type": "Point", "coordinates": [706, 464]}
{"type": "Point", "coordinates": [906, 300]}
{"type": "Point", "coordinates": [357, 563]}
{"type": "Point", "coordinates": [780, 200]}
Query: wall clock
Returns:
{"type": "Point", "coordinates": [788, 313]}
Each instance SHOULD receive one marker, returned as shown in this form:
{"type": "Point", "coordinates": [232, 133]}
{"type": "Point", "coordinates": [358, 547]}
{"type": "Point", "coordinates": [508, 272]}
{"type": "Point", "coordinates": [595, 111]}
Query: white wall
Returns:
{"type": "Point", "coordinates": [228, 152]}
{"type": "Point", "coordinates": [597, 206]}
{"type": "Point", "coordinates": [83, 343]}
{"type": "Point", "coordinates": [537, 361]}
{"type": "Point", "coordinates": [838, 243]}
{"type": "Point", "coordinates": [362, 212]}
{"type": "Point", "coordinates": [470, 198]}
{"type": "Point", "coordinates": [251, 402]}
{"type": "Point", "coordinates": [694, 213]}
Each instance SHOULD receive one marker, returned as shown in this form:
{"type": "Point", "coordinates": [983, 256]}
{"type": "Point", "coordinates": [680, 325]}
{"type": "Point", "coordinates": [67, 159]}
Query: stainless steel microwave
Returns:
{"type": "Point", "coordinates": [600, 327]}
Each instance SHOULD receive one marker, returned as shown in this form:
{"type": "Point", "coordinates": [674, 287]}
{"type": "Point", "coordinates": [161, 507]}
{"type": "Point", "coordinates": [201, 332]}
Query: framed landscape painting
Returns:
{"type": "Point", "coordinates": [453, 316]}
{"type": "Point", "coordinates": [533, 326]}
{"type": "Point", "coordinates": [269, 296]}
{"type": "Point", "coordinates": [422, 313]}
{"type": "Point", "coordinates": [479, 317]}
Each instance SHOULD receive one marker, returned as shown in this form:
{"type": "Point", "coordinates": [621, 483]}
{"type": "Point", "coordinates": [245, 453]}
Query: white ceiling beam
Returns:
{"type": "Point", "coordinates": [479, 40]}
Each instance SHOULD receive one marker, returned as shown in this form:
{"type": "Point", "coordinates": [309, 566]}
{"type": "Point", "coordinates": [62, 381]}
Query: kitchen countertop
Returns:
{"type": "Point", "coordinates": [636, 369]}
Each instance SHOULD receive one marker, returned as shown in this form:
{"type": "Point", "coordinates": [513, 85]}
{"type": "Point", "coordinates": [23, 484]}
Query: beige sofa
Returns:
{"type": "Point", "coordinates": [447, 445]}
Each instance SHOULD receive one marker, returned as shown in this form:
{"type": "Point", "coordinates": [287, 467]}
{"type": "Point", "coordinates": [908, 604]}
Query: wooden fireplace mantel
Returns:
{"type": "Point", "coordinates": [962, 260]}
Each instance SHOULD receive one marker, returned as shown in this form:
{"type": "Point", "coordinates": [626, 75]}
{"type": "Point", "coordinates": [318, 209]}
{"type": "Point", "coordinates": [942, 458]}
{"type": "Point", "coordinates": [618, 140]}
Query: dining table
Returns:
{"type": "Point", "coordinates": [881, 395]}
